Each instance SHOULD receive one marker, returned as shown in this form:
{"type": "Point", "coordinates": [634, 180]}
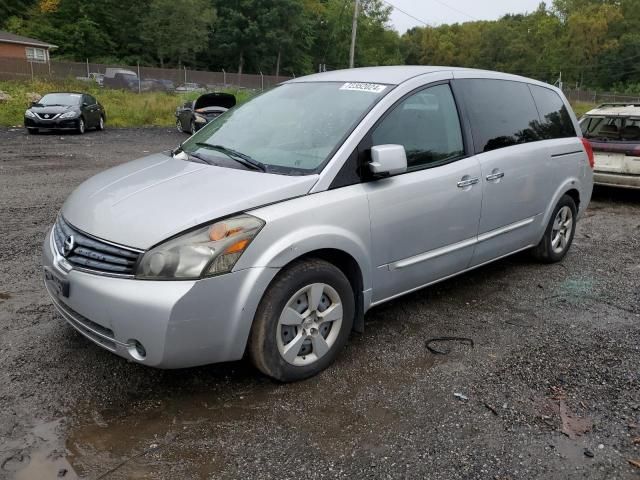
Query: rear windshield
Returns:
{"type": "Point", "coordinates": [611, 129]}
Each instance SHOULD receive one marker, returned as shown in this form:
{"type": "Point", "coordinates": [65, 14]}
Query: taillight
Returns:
{"type": "Point", "coordinates": [589, 150]}
{"type": "Point", "coordinates": [635, 152]}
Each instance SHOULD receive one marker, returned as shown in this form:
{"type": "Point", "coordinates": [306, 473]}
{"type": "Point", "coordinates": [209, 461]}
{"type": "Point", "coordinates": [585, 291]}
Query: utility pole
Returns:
{"type": "Point", "coordinates": [354, 27]}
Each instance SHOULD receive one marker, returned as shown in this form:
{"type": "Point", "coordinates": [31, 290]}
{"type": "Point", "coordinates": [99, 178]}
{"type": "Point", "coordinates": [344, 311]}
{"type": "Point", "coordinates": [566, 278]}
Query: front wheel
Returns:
{"type": "Point", "coordinates": [81, 126]}
{"type": "Point", "coordinates": [559, 233]}
{"type": "Point", "coordinates": [303, 321]}
{"type": "Point", "coordinates": [100, 126]}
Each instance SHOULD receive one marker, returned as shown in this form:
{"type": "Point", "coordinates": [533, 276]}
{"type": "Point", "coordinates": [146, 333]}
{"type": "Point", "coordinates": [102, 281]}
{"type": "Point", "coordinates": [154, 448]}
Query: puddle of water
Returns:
{"type": "Point", "coordinates": [140, 441]}
{"type": "Point", "coordinates": [40, 455]}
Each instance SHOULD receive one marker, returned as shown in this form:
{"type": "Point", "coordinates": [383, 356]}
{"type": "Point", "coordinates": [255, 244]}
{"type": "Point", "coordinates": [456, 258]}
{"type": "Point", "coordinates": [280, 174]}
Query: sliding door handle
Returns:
{"type": "Point", "coordinates": [495, 176]}
{"type": "Point", "coordinates": [467, 182]}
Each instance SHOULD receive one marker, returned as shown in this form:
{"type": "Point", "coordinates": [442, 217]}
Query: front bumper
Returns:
{"type": "Point", "coordinates": [616, 179]}
{"type": "Point", "coordinates": [55, 124]}
{"type": "Point", "coordinates": [179, 323]}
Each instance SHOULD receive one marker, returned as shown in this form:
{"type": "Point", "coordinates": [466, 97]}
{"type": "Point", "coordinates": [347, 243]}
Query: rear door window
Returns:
{"type": "Point", "coordinates": [502, 113]}
{"type": "Point", "coordinates": [555, 121]}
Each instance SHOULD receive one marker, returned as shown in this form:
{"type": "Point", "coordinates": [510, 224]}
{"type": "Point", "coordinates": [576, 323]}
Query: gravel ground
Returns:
{"type": "Point", "coordinates": [547, 339]}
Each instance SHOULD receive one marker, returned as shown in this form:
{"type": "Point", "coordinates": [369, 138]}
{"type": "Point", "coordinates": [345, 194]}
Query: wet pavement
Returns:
{"type": "Point", "coordinates": [544, 336]}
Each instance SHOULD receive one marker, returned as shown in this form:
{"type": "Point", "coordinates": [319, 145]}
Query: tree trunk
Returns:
{"type": "Point", "coordinates": [241, 62]}
{"type": "Point", "coordinates": [278, 64]}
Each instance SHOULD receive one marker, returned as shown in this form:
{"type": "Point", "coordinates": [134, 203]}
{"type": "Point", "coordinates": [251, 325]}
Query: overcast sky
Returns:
{"type": "Point", "coordinates": [436, 12]}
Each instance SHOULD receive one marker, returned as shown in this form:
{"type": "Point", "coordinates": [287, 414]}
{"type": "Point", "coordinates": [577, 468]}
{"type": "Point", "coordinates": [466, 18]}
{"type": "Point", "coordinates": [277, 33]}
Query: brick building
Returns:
{"type": "Point", "coordinates": [16, 46]}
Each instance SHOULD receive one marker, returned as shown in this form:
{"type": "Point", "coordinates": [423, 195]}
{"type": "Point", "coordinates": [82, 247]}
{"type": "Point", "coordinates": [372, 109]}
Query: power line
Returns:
{"type": "Point", "coordinates": [407, 14]}
{"type": "Point", "coordinates": [455, 9]}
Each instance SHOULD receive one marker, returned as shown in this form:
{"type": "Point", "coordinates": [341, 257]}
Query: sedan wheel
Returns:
{"type": "Point", "coordinates": [179, 126]}
{"type": "Point", "coordinates": [192, 129]}
{"type": "Point", "coordinates": [101, 123]}
{"type": "Point", "coordinates": [303, 321]}
{"type": "Point", "coordinates": [81, 126]}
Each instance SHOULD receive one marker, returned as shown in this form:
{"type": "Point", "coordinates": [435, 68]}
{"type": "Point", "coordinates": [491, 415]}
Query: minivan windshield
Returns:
{"type": "Point", "coordinates": [292, 129]}
{"type": "Point", "coordinates": [60, 99]}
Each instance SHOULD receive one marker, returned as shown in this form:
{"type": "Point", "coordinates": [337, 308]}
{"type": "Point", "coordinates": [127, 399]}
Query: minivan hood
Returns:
{"type": "Point", "coordinates": [141, 203]}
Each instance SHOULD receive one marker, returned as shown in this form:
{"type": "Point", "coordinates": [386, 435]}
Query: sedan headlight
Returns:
{"type": "Point", "coordinates": [200, 119]}
{"type": "Point", "coordinates": [29, 114]}
{"type": "Point", "coordinates": [207, 251]}
{"type": "Point", "coordinates": [70, 114]}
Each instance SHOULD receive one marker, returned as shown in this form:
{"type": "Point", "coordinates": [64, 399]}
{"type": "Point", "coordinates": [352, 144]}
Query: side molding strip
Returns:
{"type": "Point", "coordinates": [438, 252]}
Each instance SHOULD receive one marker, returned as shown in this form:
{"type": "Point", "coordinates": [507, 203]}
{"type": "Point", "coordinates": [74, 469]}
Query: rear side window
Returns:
{"type": "Point", "coordinates": [502, 113]}
{"type": "Point", "coordinates": [555, 121]}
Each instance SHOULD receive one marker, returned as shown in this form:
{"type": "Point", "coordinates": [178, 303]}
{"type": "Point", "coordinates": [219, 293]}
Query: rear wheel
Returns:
{"type": "Point", "coordinates": [303, 321]}
{"type": "Point", "coordinates": [559, 233]}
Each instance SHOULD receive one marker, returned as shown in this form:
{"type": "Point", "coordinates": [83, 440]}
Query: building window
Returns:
{"type": "Point", "coordinates": [36, 54]}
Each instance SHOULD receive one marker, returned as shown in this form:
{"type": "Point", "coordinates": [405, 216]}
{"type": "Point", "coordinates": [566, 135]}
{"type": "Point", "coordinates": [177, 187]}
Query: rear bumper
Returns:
{"type": "Point", "coordinates": [616, 180]}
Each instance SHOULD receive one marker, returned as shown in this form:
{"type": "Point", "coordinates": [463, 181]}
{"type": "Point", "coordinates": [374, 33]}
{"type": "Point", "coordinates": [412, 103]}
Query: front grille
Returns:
{"type": "Point", "coordinates": [90, 253]}
{"type": "Point", "coordinates": [51, 116]}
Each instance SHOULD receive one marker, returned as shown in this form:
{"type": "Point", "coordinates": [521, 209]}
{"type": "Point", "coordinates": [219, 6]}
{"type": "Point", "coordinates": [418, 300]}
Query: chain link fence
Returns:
{"type": "Point", "coordinates": [138, 79]}
{"type": "Point", "coordinates": [592, 96]}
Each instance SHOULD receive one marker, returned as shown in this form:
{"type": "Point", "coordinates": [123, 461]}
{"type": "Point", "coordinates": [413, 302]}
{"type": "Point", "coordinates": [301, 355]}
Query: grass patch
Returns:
{"type": "Point", "coordinates": [582, 107]}
{"type": "Point", "coordinates": [124, 108]}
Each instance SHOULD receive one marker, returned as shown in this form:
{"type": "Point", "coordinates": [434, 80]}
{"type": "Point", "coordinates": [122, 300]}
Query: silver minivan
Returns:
{"type": "Point", "coordinates": [274, 229]}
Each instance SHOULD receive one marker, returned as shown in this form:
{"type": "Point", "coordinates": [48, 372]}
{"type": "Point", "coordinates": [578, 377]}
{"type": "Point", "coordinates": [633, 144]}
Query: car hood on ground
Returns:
{"type": "Point", "coordinates": [144, 202]}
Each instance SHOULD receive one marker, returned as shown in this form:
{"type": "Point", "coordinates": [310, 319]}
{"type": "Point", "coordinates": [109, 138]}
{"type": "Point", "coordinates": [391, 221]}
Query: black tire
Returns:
{"type": "Point", "coordinates": [100, 126]}
{"type": "Point", "coordinates": [192, 127]}
{"type": "Point", "coordinates": [82, 126]}
{"type": "Point", "coordinates": [179, 126]}
{"type": "Point", "coordinates": [545, 251]}
{"type": "Point", "coordinates": [263, 346]}
{"type": "Point", "coordinates": [33, 131]}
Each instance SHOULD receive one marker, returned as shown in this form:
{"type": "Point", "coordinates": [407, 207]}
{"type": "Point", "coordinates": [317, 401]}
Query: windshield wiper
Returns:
{"type": "Point", "coordinates": [239, 157]}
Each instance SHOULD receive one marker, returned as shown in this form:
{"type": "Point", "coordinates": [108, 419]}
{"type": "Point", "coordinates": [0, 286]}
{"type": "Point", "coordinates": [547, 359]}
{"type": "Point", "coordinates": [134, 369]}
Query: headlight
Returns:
{"type": "Point", "coordinates": [29, 114]}
{"type": "Point", "coordinates": [70, 114]}
{"type": "Point", "coordinates": [200, 118]}
{"type": "Point", "coordinates": [208, 251]}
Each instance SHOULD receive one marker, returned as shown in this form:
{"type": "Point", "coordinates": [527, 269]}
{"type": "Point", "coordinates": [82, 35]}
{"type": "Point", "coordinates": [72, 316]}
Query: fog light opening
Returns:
{"type": "Point", "coordinates": [136, 350]}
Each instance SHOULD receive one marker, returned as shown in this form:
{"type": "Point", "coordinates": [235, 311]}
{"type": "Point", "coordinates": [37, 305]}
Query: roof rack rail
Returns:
{"type": "Point", "coordinates": [619, 104]}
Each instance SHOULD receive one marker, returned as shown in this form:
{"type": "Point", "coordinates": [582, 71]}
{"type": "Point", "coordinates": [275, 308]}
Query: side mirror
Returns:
{"type": "Point", "coordinates": [388, 160]}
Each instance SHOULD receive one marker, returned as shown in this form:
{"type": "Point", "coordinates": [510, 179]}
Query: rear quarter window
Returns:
{"type": "Point", "coordinates": [555, 120]}
{"type": "Point", "coordinates": [502, 113]}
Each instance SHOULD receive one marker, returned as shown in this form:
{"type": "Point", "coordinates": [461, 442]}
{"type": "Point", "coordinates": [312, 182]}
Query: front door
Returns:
{"type": "Point", "coordinates": [423, 222]}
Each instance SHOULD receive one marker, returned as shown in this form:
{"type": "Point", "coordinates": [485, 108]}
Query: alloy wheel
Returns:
{"type": "Point", "coordinates": [309, 324]}
{"type": "Point", "coordinates": [562, 229]}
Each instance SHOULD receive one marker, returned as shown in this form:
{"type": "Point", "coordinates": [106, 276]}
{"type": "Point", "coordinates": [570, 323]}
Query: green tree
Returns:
{"type": "Point", "coordinates": [177, 30]}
